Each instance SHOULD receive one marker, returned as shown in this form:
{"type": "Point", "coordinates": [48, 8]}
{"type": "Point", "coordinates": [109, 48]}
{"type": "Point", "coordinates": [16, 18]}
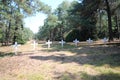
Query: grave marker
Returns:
{"type": "Point", "coordinates": [62, 42]}
{"type": "Point", "coordinates": [15, 46]}
{"type": "Point", "coordinates": [105, 40]}
{"type": "Point", "coordinates": [34, 44]}
{"type": "Point", "coordinates": [48, 43]}
{"type": "Point", "coordinates": [89, 41]}
{"type": "Point", "coordinates": [76, 42]}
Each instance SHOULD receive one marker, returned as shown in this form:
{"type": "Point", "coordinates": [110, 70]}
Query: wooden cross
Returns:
{"type": "Point", "coordinates": [48, 43]}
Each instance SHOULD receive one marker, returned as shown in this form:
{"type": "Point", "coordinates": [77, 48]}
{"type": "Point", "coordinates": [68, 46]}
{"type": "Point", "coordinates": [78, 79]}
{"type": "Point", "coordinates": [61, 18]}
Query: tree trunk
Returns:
{"type": "Point", "coordinates": [109, 21]}
{"type": "Point", "coordinates": [60, 32]}
{"type": "Point", "coordinates": [117, 27]}
{"type": "Point", "coordinates": [52, 34]}
{"type": "Point", "coordinates": [8, 33]}
{"type": "Point", "coordinates": [15, 36]}
{"type": "Point", "coordinates": [100, 21]}
{"type": "Point", "coordinates": [49, 35]}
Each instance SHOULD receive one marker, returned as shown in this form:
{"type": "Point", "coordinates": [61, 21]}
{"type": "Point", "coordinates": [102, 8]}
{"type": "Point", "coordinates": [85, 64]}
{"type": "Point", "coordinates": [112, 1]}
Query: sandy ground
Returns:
{"type": "Point", "coordinates": [52, 64]}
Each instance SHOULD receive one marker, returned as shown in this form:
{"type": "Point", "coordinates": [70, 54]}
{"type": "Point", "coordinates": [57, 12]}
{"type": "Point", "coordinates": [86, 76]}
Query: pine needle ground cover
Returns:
{"type": "Point", "coordinates": [57, 63]}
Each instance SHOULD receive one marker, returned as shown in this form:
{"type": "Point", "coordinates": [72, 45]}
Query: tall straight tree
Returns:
{"type": "Point", "coordinates": [109, 20]}
{"type": "Point", "coordinates": [12, 13]}
{"type": "Point", "coordinates": [51, 23]}
{"type": "Point", "coordinates": [105, 6]}
{"type": "Point", "coordinates": [62, 13]}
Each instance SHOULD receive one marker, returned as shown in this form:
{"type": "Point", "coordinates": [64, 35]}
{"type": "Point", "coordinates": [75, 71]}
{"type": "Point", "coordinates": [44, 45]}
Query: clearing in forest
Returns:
{"type": "Point", "coordinates": [99, 62]}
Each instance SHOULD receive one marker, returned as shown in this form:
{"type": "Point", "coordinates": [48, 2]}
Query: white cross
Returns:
{"type": "Point", "coordinates": [16, 47]}
{"type": "Point", "coordinates": [62, 42]}
{"type": "Point", "coordinates": [90, 41]}
{"type": "Point", "coordinates": [48, 43]}
{"type": "Point", "coordinates": [34, 44]}
{"type": "Point", "coordinates": [105, 40]}
{"type": "Point", "coordinates": [76, 41]}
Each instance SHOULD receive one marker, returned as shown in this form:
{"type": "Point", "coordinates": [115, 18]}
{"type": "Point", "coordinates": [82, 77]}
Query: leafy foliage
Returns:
{"type": "Point", "coordinates": [12, 13]}
{"type": "Point", "coordinates": [92, 18]}
{"type": "Point", "coordinates": [72, 35]}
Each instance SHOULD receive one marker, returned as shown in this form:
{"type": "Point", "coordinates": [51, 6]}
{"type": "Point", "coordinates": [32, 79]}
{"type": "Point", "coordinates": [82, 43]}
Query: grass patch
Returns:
{"type": "Point", "coordinates": [110, 60]}
{"type": "Point", "coordinates": [65, 77]}
{"type": "Point", "coordinates": [58, 46]}
{"type": "Point", "coordinates": [6, 54]}
{"type": "Point", "coordinates": [98, 63]}
{"type": "Point", "coordinates": [34, 76]}
{"type": "Point", "coordinates": [104, 76]}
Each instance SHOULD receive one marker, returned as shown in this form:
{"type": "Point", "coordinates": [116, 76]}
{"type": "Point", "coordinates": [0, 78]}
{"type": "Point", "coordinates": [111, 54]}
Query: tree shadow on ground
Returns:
{"type": "Point", "coordinates": [88, 49]}
{"type": "Point", "coordinates": [93, 55]}
{"type": "Point", "coordinates": [96, 60]}
{"type": "Point", "coordinates": [2, 54]}
{"type": "Point", "coordinates": [85, 76]}
{"type": "Point", "coordinates": [97, 55]}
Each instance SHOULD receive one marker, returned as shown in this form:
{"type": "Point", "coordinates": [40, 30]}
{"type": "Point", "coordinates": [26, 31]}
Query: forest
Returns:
{"type": "Point", "coordinates": [12, 13]}
{"type": "Point", "coordinates": [25, 55]}
{"type": "Point", "coordinates": [80, 19]}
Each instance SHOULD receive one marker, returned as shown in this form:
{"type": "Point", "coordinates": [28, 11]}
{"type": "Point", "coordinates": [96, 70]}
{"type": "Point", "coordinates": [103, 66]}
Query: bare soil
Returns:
{"type": "Point", "coordinates": [57, 64]}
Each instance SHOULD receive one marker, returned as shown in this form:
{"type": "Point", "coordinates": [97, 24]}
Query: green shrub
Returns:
{"type": "Point", "coordinates": [72, 35]}
{"type": "Point", "coordinates": [21, 41]}
{"type": "Point", "coordinates": [81, 35]}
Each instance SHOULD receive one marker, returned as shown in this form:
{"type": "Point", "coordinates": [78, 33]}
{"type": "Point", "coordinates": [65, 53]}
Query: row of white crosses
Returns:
{"type": "Point", "coordinates": [62, 42]}
{"type": "Point", "coordinates": [16, 45]}
{"type": "Point", "coordinates": [105, 40]}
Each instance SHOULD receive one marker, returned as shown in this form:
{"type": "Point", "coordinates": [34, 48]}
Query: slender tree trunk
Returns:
{"type": "Point", "coordinates": [100, 21]}
{"type": "Point", "coordinates": [119, 30]}
{"type": "Point", "coordinates": [49, 35]}
{"type": "Point", "coordinates": [15, 36]}
{"type": "Point", "coordinates": [117, 26]}
{"type": "Point", "coordinates": [52, 35]}
{"type": "Point", "coordinates": [8, 33]}
{"type": "Point", "coordinates": [109, 21]}
{"type": "Point", "coordinates": [61, 32]}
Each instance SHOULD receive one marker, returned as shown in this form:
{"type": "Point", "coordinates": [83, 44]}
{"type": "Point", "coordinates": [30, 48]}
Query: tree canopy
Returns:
{"type": "Point", "coordinates": [90, 18]}
{"type": "Point", "coordinates": [12, 13]}
{"type": "Point", "coordinates": [85, 18]}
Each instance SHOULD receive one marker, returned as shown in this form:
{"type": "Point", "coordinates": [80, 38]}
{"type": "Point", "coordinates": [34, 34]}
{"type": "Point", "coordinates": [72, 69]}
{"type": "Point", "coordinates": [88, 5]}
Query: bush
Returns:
{"type": "Point", "coordinates": [72, 35]}
{"type": "Point", "coordinates": [21, 41]}
{"type": "Point", "coordinates": [81, 35]}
